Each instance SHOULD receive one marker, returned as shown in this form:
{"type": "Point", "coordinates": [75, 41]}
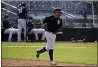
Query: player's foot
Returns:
{"type": "Point", "coordinates": [37, 54]}
{"type": "Point", "coordinates": [52, 63]}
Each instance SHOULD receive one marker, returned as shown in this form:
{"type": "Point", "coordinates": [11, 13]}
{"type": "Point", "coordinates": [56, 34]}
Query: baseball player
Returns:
{"type": "Point", "coordinates": [52, 23]}
{"type": "Point", "coordinates": [11, 31]}
{"type": "Point", "coordinates": [22, 15]}
{"type": "Point", "coordinates": [38, 31]}
{"type": "Point", "coordinates": [9, 28]}
{"type": "Point", "coordinates": [6, 23]}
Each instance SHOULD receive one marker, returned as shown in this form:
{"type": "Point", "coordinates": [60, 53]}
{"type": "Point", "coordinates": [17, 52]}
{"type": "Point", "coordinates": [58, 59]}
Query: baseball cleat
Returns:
{"type": "Point", "coordinates": [52, 63]}
{"type": "Point", "coordinates": [37, 54]}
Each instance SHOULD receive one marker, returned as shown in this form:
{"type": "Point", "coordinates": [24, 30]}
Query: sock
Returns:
{"type": "Point", "coordinates": [51, 54]}
{"type": "Point", "coordinates": [42, 50]}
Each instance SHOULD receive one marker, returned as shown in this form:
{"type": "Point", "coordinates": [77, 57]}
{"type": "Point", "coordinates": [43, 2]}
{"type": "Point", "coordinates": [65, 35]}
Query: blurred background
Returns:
{"type": "Point", "coordinates": [80, 18]}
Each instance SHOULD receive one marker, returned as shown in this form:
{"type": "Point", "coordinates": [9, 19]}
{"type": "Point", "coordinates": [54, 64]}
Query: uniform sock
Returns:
{"type": "Point", "coordinates": [42, 50]}
{"type": "Point", "coordinates": [51, 54]}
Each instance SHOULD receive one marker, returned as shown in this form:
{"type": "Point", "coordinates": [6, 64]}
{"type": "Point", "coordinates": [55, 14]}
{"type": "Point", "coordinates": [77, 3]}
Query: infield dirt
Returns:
{"type": "Point", "coordinates": [15, 62]}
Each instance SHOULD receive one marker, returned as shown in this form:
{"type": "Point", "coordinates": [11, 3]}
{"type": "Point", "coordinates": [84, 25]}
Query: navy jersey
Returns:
{"type": "Point", "coordinates": [22, 12]}
{"type": "Point", "coordinates": [52, 24]}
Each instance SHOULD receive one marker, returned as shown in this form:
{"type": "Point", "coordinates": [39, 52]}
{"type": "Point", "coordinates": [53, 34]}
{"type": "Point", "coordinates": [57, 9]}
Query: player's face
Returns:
{"type": "Point", "coordinates": [57, 14]}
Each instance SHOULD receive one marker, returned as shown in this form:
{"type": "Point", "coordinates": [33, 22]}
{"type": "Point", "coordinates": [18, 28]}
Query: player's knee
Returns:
{"type": "Point", "coordinates": [48, 48]}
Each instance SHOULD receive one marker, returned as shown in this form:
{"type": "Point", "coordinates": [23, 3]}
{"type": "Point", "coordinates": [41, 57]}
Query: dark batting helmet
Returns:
{"type": "Point", "coordinates": [57, 10]}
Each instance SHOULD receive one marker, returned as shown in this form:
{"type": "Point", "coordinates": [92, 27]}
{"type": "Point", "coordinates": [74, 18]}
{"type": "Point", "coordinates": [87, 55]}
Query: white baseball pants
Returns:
{"type": "Point", "coordinates": [21, 24]}
{"type": "Point", "coordinates": [11, 31]}
{"type": "Point", "coordinates": [38, 31]}
{"type": "Point", "coordinates": [50, 37]}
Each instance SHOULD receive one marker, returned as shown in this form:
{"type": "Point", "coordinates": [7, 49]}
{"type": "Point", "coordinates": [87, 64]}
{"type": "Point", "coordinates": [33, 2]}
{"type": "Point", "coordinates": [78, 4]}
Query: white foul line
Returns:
{"type": "Point", "coordinates": [43, 46]}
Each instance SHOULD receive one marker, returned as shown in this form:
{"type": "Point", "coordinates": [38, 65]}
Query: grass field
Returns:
{"type": "Point", "coordinates": [84, 53]}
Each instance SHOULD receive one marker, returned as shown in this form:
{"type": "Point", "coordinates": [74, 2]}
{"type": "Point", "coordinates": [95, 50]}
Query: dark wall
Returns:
{"type": "Point", "coordinates": [90, 34]}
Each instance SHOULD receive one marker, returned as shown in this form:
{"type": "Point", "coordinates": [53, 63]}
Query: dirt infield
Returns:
{"type": "Point", "coordinates": [14, 62]}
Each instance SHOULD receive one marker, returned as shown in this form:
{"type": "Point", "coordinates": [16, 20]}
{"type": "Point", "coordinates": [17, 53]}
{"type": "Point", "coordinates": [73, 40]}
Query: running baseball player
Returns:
{"type": "Point", "coordinates": [22, 15]}
{"type": "Point", "coordinates": [52, 23]}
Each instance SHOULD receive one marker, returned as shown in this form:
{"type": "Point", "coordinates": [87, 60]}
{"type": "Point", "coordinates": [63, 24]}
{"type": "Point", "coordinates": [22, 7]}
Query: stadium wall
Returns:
{"type": "Point", "coordinates": [90, 35]}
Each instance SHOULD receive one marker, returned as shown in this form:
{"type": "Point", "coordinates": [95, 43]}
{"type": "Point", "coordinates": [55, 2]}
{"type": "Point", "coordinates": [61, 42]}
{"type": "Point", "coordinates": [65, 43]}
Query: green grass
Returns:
{"type": "Point", "coordinates": [69, 52]}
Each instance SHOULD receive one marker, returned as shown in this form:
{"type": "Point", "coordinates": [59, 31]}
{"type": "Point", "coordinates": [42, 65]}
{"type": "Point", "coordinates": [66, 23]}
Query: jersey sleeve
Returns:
{"type": "Point", "coordinates": [45, 20]}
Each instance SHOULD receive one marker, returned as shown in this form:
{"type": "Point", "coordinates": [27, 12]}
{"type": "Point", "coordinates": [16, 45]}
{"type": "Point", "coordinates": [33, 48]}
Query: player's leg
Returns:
{"type": "Point", "coordinates": [43, 36]}
{"type": "Point", "coordinates": [7, 31]}
{"type": "Point", "coordinates": [24, 27]}
{"type": "Point", "coordinates": [20, 29]}
{"type": "Point", "coordinates": [50, 37]}
{"type": "Point", "coordinates": [36, 34]}
{"type": "Point", "coordinates": [40, 51]}
{"type": "Point", "coordinates": [10, 35]}
{"type": "Point", "coordinates": [50, 43]}
{"type": "Point", "coordinates": [51, 49]}
{"type": "Point", "coordinates": [17, 33]}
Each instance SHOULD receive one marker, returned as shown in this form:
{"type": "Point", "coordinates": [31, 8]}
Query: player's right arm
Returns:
{"type": "Point", "coordinates": [45, 21]}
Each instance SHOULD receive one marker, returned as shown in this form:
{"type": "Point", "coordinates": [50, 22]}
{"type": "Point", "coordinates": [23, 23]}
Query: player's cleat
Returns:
{"type": "Point", "coordinates": [52, 63]}
{"type": "Point", "coordinates": [37, 54]}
